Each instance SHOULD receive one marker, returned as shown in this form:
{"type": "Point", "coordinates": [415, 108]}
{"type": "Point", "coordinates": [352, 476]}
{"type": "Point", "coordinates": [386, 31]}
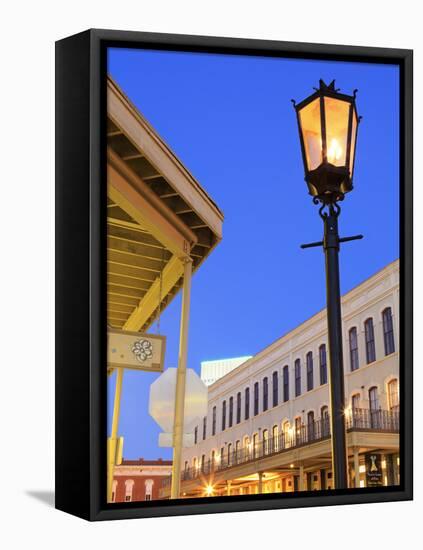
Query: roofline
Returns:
{"type": "Point", "coordinates": [287, 335]}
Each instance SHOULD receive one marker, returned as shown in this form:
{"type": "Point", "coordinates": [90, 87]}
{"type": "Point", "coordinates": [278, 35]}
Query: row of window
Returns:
{"type": "Point", "coordinates": [232, 411]}
{"type": "Point", "coordinates": [232, 408]}
{"type": "Point", "coordinates": [369, 336]}
{"type": "Point", "coordinates": [291, 433]}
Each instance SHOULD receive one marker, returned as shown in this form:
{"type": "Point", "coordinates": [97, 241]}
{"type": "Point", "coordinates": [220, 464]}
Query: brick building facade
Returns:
{"type": "Point", "coordinates": [138, 480]}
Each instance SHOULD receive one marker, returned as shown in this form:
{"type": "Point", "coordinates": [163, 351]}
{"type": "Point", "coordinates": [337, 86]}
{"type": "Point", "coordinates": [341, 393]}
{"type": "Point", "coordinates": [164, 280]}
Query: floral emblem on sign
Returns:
{"type": "Point", "coordinates": [143, 350]}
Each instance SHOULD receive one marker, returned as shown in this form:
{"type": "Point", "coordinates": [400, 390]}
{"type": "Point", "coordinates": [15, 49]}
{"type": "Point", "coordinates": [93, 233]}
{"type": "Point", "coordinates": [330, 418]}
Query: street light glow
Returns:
{"type": "Point", "coordinates": [209, 490]}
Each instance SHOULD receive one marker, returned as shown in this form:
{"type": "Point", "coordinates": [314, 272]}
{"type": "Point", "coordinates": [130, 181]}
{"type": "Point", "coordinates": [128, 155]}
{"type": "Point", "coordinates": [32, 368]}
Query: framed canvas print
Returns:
{"type": "Point", "coordinates": [234, 274]}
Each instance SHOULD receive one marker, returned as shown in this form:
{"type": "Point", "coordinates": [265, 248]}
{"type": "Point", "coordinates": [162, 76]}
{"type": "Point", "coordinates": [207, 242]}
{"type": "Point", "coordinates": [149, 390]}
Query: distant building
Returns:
{"type": "Point", "coordinates": [211, 371]}
{"type": "Point", "coordinates": [136, 480]}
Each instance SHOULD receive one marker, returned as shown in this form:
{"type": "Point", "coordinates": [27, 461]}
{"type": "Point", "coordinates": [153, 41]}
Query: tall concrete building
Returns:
{"type": "Point", "coordinates": [211, 371]}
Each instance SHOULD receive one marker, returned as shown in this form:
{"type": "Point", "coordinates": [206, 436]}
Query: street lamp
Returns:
{"type": "Point", "coordinates": [328, 123]}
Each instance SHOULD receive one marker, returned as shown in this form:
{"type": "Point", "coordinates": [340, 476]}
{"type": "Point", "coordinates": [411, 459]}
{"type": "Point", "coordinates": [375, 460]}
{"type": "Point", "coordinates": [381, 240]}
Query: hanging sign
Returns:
{"type": "Point", "coordinates": [135, 350]}
{"type": "Point", "coordinates": [374, 476]}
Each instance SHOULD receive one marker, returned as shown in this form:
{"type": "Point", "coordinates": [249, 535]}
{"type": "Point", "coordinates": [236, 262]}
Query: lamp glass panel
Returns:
{"type": "Point", "coordinates": [353, 138]}
{"type": "Point", "coordinates": [337, 114]}
{"type": "Point", "coordinates": [312, 135]}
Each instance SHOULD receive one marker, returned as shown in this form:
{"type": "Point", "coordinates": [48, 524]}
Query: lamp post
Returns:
{"type": "Point", "coordinates": [328, 123]}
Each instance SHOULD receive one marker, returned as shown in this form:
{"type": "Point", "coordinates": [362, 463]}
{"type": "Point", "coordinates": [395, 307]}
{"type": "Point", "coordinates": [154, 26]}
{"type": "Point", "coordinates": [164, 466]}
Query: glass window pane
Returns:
{"type": "Point", "coordinates": [336, 114]}
{"type": "Point", "coordinates": [353, 137]}
{"type": "Point", "coordinates": [311, 130]}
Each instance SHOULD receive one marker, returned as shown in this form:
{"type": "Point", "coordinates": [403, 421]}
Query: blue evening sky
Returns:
{"type": "Point", "coordinates": [231, 122]}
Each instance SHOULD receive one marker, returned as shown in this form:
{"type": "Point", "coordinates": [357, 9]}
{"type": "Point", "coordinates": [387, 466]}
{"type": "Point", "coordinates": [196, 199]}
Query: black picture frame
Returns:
{"type": "Point", "coordinates": [80, 277]}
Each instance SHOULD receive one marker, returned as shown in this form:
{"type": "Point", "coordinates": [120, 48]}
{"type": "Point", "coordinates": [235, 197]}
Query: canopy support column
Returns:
{"type": "Point", "coordinates": [178, 428]}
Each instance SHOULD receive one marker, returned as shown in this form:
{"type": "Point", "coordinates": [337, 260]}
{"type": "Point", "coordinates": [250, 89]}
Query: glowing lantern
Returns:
{"type": "Point", "coordinates": [328, 122]}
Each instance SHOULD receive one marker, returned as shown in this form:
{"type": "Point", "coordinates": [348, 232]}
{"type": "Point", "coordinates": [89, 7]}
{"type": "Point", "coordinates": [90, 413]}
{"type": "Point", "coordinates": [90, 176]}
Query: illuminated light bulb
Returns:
{"type": "Point", "coordinates": [334, 151]}
{"type": "Point", "coordinates": [209, 490]}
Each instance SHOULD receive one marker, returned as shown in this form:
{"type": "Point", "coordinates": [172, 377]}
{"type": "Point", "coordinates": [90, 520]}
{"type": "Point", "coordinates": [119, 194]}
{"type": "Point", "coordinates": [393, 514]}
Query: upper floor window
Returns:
{"type": "Point", "coordinates": [323, 365]}
{"type": "Point", "coordinates": [310, 425]}
{"type": "Point", "coordinates": [265, 394]}
{"type": "Point", "coordinates": [231, 411]}
{"type": "Point", "coordinates": [370, 340]}
{"type": "Point", "coordinates": [149, 489]}
{"type": "Point", "coordinates": [238, 407]}
{"type": "Point", "coordinates": [355, 401]}
{"type": "Point", "coordinates": [203, 462]}
{"type": "Point", "coordinates": [285, 374]}
{"type": "Point", "coordinates": [353, 348]}
{"type": "Point", "coordinates": [373, 399]}
{"type": "Point", "coordinates": [195, 435]}
{"type": "Point", "coordinates": [204, 427]}
{"type": "Point", "coordinates": [214, 421]}
{"type": "Point", "coordinates": [247, 404]}
{"type": "Point", "coordinates": [129, 485]}
{"type": "Point", "coordinates": [309, 362]}
{"type": "Point", "coordinates": [388, 331]}
{"type": "Point", "coordinates": [275, 389]}
{"type": "Point", "coordinates": [256, 398]}
{"type": "Point", "coordinates": [297, 368]}
{"type": "Point", "coordinates": [224, 416]}
{"type": "Point", "coordinates": [393, 394]}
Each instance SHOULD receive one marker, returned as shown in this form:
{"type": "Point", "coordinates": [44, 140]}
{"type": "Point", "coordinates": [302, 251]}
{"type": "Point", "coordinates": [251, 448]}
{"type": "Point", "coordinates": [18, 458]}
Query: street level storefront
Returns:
{"type": "Point", "coordinates": [268, 427]}
{"type": "Point", "coordinates": [161, 226]}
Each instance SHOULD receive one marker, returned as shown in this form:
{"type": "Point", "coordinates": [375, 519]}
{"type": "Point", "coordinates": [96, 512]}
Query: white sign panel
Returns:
{"type": "Point", "coordinates": [162, 403]}
{"type": "Point", "coordinates": [135, 350]}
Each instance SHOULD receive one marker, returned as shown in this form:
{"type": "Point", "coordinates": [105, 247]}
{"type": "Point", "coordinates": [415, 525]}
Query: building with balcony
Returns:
{"type": "Point", "coordinates": [268, 428]}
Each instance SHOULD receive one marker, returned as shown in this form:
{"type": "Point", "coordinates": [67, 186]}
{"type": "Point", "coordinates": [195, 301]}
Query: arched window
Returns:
{"type": "Point", "coordinates": [114, 490]}
{"type": "Point", "coordinates": [129, 485]}
{"type": "Point", "coordinates": [323, 365]}
{"type": "Point", "coordinates": [266, 442]}
{"type": "Point", "coordinates": [324, 419]}
{"type": "Point", "coordinates": [355, 401]}
{"type": "Point", "coordinates": [203, 462]}
{"type": "Point", "coordinates": [213, 459]}
{"type": "Point", "coordinates": [310, 426]}
{"type": "Point", "coordinates": [256, 398]}
{"type": "Point", "coordinates": [194, 466]}
{"type": "Point", "coordinates": [370, 340]}
{"type": "Point", "coordinates": [374, 407]}
{"type": "Point", "coordinates": [229, 454]}
{"type": "Point", "coordinates": [353, 348]}
{"type": "Point", "coordinates": [275, 439]}
{"type": "Point", "coordinates": [247, 404]}
{"type": "Point", "coordinates": [265, 394]}
{"type": "Point", "coordinates": [275, 389]}
{"type": "Point", "coordinates": [285, 383]}
{"type": "Point", "coordinates": [298, 431]}
{"type": "Point", "coordinates": [388, 331]}
{"type": "Point", "coordinates": [393, 395]}
{"type": "Point", "coordinates": [286, 429]}
{"type": "Point", "coordinates": [309, 363]}
{"type": "Point", "coordinates": [223, 416]}
{"type": "Point", "coordinates": [231, 411]}
{"type": "Point", "coordinates": [297, 368]}
{"type": "Point", "coordinates": [238, 407]}
{"type": "Point", "coordinates": [237, 450]}
{"type": "Point", "coordinates": [204, 427]}
{"type": "Point", "coordinates": [214, 421]}
{"type": "Point", "coordinates": [149, 489]}
{"type": "Point", "coordinates": [255, 444]}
